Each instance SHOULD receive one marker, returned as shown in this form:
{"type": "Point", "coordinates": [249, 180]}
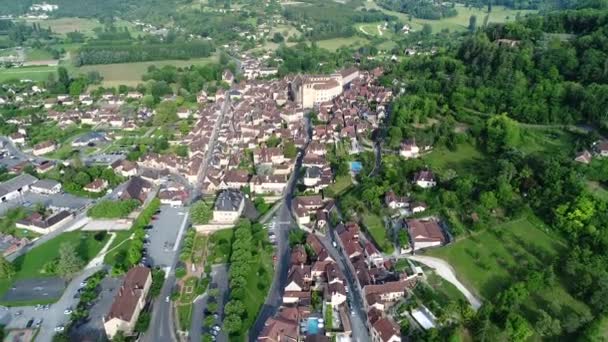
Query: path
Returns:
{"type": "Point", "coordinates": [445, 271]}
{"type": "Point", "coordinates": [98, 260]}
{"type": "Point", "coordinates": [363, 30]}
{"type": "Point", "coordinates": [379, 30]}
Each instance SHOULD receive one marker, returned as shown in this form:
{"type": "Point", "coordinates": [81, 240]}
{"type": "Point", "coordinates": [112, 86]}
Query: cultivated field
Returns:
{"type": "Point", "coordinates": [65, 25]}
{"type": "Point", "coordinates": [29, 73]}
{"type": "Point", "coordinates": [336, 43]}
{"type": "Point", "coordinates": [131, 73]}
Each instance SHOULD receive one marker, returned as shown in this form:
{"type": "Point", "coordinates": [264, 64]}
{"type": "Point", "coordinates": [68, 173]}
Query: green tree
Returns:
{"type": "Point", "coordinates": [472, 23]}
{"type": "Point", "coordinates": [7, 270]}
{"type": "Point", "coordinates": [290, 150]}
{"type": "Point", "coordinates": [69, 262]}
{"type": "Point", "coordinates": [200, 213]}
{"type": "Point", "coordinates": [235, 307]}
{"type": "Point", "coordinates": [166, 113]}
{"type": "Point", "coordinates": [517, 328]}
{"type": "Point", "coordinates": [502, 133]}
{"type": "Point", "coordinates": [143, 322]}
{"type": "Point", "coordinates": [232, 323]}
{"type": "Point", "coordinates": [427, 29]}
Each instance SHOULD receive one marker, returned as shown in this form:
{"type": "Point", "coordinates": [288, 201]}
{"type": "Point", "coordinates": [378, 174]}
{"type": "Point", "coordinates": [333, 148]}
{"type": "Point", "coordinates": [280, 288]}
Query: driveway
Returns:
{"type": "Point", "coordinates": [219, 280]}
{"type": "Point", "coordinates": [445, 271]}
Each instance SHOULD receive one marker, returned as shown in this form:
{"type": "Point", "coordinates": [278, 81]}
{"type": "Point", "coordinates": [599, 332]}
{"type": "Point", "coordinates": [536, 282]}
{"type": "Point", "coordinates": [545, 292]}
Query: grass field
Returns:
{"type": "Point", "coordinates": [539, 140]}
{"type": "Point", "coordinates": [117, 246]}
{"type": "Point", "coordinates": [336, 43]}
{"type": "Point", "coordinates": [28, 73]}
{"type": "Point", "coordinates": [499, 14]}
{"type": "Point", "coordinates": [342, 183]}
{"type": "Point", "coordinates": [487, 261]}
{"type": "Point", "coordinates": [460, 160]}
{"type": "Point", "coordinates": [65, 25]}
{"type": "Point", "coordinates": [374, 225]}
{"type": "Point", "coordinates": [30, 265]}
{"type": "Point", "coordinates": [131, 73]}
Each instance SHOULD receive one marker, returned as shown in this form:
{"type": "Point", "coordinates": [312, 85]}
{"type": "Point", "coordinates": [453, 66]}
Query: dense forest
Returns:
{"type": "Point", "coordinates": [108, 54]}
{"type": "Point", "coordinates": [517, 68]}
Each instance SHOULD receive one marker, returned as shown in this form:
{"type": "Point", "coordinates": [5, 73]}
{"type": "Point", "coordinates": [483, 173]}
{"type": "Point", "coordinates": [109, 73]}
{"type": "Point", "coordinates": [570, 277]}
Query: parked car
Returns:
{"type": "Point", "coordinates": [67, 311]}
{"type": "Point", "coordinates": [59, 328]}
{"type": "Point", "coordinates": [29, 323]}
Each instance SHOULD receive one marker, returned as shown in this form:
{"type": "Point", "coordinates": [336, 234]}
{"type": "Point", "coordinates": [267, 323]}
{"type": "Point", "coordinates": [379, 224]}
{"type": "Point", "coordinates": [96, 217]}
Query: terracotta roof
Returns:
{"type": "Point", "coordinates": [425, 231]}
{"type": "Point", "coordinates": [386, 329]}
{"type": "Point", "coordinates": [125, 301]}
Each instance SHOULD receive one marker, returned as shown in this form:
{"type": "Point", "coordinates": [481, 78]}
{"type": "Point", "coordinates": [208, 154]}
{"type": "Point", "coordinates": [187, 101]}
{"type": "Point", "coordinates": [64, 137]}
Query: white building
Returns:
{"type": "Point", "coordinates": [228, 207]}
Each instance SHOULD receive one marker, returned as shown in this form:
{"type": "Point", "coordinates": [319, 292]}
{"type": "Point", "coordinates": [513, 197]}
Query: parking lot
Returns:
{"type": "Point", "coordinates": [161, 238]}
{"type": "Point", "coordinates": [93, 327]}
{"type": "Point", "coordinates": [35, 290]}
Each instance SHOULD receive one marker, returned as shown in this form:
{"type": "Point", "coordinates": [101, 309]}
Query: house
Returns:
{"type": "Point", "coordinates": [425, 233]}
{"type": "Point", "coordinates": [15, 187]}
{"type": "Point", "coordinates": [43, 224]}
{"type": "Point", "coordinates": [236, 179]}
{"type": "Point", "coordinates": [409, 149]}
{"type": "Point", "coordinates": [299, 279]}
{"type": "Point", "coordinates": [124, 168]}
{"type": "Point", "coordinates": [381, 295]}
{"type": "Point", "coordinates": [128, 302]}
{"type": "Point", "coordinates": [283, 328]}
{"type": "Point", "coordinates": [298, 255]}
{"type": "Point", "coordinates": [96, 186]}
{"type": "Point", "coordinates": [227, 76]}
{"type": "Point", "coordinates": [583, 157]}
{"type": "Point", "coordinates": [425, 179]}
{"type": "Point", "coordinates": [228, 207]}
{"type": "Point", "coordinates": [269, 184]}
{"type": "Point", "coordinates": [312, 176]}
{"type": "Point", "coordinates": [45, 166]}
{"type": "Point", "coordinates": [335, 294]}
{"type": "Point", "coordinates": [602, 148]}
{"type": "Point", "coordinates": [89, 139]}
{"type": "Point", "coordinates": [17, 138]}
{"type": "Point", "coordinates": [184, 113]}
{"type": "Point", "coordinates": [137, 188]}
{"type": "Point", "coordinates": [46, 187]}
{"type": "Point", "coordinates": [44, 148]}
{"type": "Point", "coordinates": [10, 244]}
{"type": "Point", "coordinates": [385, 330]}
{"type": "Point", "coordinates": [418, 207]}
{"type": "Point", "coordinates": [395, 202]}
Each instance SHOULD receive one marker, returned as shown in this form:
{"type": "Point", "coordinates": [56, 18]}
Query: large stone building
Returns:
{"type": "Point", "coordinates": [128, 303]}
{"type": "Point", "coordinates": [309, 91]}
{"type": "Point", "coordinates": [228, 207]}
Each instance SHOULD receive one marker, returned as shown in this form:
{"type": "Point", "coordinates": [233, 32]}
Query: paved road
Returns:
{"type": "Point", "coordinates": [284, 223]}
{"type": "Point", "coordinates": [219, 275]}
{"type": "Point", "coordinates": [358, 320]}
{"type": "Point", "coordinates": [163, 236]}
{"type": "Point", "coordinates": [445, 271]}
{"type": "Point", "coordinates": [203, 170]}
{"type": "Point", "coordinates": [162, 326]}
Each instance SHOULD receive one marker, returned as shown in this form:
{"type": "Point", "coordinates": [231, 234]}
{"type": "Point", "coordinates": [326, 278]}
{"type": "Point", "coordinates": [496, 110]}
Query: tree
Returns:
{"type": "Point", "coordinates": [143, 322]}
{"type": "Point", "coordinates": [277, 38]}
{"type": "Point", "coordinates": [427, 29]}
{"type": "Point", "coordinates": [547, 326]}
{"type": "Point", "coordinates": [472, 23]}
{"type": "Point", "coordinates": [290, 150]}
{"type": "Point", "coordinates": [69, 262]}
{"type": "Point", "coordinates": [200, 213]}
{"type": "Point", "coordinates": [517, 328]}
{"type": "Point", "coordinates": [234, 307]}
{"type": "Point", "coordinates": [119, 337]}
{"type": "Point", "coordinates": [166, 113]}
{"type": "Point", "coordinates": [395, 136]}
{"type": "Point", "coordinates": [7, 270]}
{"type": "Point", "coordinates": [296, 237]}
{"type": "Point", "coordinates": [232, 323]}
{"type": "Point", "coordinates": [502, 133]}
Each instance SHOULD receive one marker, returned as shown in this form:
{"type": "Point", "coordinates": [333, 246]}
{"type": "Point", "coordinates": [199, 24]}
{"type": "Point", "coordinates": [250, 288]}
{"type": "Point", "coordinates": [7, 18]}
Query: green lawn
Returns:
{"type": "Point", "coordinates": [258, 280]}
{"type": "Point", "coordinates": [335, 43]}
{"type": "Point", "coordinates": [544, 140]}
{"type": "Point", "coordinates": [486, 261]}
{"type": "Point", "coordinates": [38, 55]}
{"type": "Point", "coordinates": [342, 183]}
{"type": "Point", "coordinates": [27, 73]}
{"type": "Point", "coordinates": [445, 290]}
{"type": "Point", "coordinates": [219, 246]}
{"type": "Point", "coordinates": [461, 160]}
{"type": "Point", "coordinates": [115, 250]}
{"type": "Point", "coordinates": [375, 226]}
{"type": "Point", "coordinates": [65, 25]}
{"type": "Point", "coordinates": [30, 265]}
{"type": "Point", "coordinates": [184, 313]}
{"type": "Point", "coordinates": [131, 73]}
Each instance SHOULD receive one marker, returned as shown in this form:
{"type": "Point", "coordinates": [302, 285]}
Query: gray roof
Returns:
{"type": "Point", "coordinates": [47, 184]}
{"type": "Point", "coordinates": [228, 200]}
{"type": "Point", "coordinates": [313, 172]}
{"type": "Point", "coordinates": [16, 183]}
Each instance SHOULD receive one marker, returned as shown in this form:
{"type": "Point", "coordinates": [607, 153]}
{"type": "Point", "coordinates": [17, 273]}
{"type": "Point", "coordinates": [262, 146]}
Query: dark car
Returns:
{"type": "Point", "coordinates": [29, 323]}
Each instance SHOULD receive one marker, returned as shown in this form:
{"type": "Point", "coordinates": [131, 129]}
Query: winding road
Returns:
{"type": "Point", "coordinates": [445, 271]}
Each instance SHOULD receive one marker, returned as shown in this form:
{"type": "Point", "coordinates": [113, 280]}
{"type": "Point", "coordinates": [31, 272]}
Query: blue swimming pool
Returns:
{"type": "Point", "coordinates": [313, 325]}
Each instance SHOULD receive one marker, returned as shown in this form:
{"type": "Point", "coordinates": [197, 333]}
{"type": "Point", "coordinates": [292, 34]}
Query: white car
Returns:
{"type": "Point", "coordinates": [59, 328]}
{"type": "Point", "coordinates": [167, 299]}
{"type": "Point", "coordinates": [67, 311]}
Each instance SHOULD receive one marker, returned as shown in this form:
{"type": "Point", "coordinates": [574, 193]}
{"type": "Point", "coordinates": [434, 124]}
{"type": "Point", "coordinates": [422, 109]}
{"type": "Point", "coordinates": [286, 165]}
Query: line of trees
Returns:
{"type": "Point", "coordinates": [108, 54]}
